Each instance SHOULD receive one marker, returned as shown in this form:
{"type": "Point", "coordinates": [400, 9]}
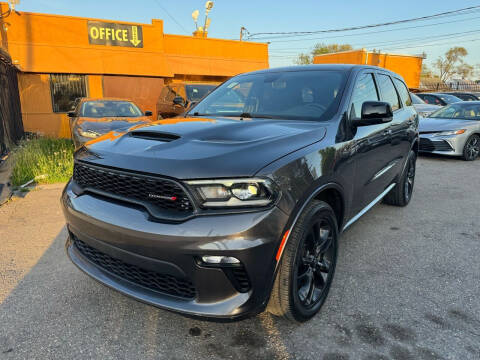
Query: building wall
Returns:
{"type": "Point", "coordinates": [41, 44]}
{"type": "Point", "coordinates": [36, 103]}
{"type": "Point", "coordinates": [409, 67]}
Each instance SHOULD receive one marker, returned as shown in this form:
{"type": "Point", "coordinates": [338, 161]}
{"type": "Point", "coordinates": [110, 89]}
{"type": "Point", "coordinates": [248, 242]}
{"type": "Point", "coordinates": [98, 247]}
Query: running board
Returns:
{"type": "Point", "coordinates": [369, 206]}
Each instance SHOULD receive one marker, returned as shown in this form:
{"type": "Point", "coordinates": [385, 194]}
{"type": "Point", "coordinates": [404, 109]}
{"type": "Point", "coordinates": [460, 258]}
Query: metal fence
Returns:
{"type": "Point", "coordinates": [11, 125]}
{"type": "Point", "coordinates": [465, 87]}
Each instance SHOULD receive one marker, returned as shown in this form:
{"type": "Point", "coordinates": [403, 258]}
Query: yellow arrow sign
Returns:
{"type": "Point", "coordinates": [134, 40]}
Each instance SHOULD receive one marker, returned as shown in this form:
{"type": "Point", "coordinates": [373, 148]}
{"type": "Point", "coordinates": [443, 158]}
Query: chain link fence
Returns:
{"type": "Point", "coordinates": [448, 87]}
{"type": "Point", "coordinates": [11, 125]}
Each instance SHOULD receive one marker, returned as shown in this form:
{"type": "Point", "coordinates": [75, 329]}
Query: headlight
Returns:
{"type": "Point", "coordinates": [452, 132]}
{"type": "Point", "coordinates": [234, 192]}
{"type": "Point", "coordinates": [88, 133]}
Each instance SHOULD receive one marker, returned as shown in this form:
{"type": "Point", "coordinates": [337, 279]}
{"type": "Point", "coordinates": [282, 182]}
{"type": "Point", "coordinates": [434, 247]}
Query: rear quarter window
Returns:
{"type": "Point", "coordinates": [403, 92]}
{"type": "Point", "coordinates": [387, 91]}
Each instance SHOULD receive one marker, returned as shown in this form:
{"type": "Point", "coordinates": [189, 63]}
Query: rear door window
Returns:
{"type": "Point", "coordinates": [387, 91]}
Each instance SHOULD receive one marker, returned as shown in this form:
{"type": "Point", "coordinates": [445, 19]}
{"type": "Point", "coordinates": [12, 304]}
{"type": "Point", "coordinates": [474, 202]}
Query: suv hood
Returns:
{"type": "Point", "coordinates": [196, 148]}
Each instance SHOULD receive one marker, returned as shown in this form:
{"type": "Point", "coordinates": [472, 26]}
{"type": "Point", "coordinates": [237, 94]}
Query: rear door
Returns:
{"type": "Point", "coordinates": [404, 124]}
{"type": "Point", "coordinates": [397, 130]}
{"type": "Point", "coordinates": [371, 144]}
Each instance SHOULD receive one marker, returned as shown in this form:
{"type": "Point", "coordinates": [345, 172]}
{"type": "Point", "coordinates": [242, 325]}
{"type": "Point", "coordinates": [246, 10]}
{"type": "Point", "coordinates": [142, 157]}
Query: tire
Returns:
{"type": "Point", "coordinates": [309, 259]}
{"type": "Point", "coordinates": [402, 193]}
{"type": "Point", "coordinates": [471, 150]}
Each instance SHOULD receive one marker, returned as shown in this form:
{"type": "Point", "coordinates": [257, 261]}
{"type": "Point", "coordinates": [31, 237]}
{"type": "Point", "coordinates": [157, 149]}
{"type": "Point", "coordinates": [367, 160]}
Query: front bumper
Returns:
{"type": "Point", "coordinates": [123, 232]}
{"type": "Point", "coordinates": [444, 145]}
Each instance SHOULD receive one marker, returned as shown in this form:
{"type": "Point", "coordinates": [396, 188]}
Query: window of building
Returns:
{"type": "Point", "coordinates": [364, 90]}
{"type": "Point", "coordinates": [389, 94]}
{"type": "Point", "coordinates": [65, 89]}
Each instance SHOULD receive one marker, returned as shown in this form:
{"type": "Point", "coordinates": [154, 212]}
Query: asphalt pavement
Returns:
{"type": "Point", "coordinates": [407, 286]}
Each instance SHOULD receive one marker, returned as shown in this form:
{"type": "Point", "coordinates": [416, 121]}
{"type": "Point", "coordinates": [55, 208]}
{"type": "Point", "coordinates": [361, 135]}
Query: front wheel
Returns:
{"type": "Point", "coordinates": [402, 193]}
{"type": "Point", "coordinates": [306, 269]}
{"type": "Point", "coordinates": [471, 148]}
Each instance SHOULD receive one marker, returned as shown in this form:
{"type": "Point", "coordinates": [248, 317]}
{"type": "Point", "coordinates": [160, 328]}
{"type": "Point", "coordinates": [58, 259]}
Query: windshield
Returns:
{"type": "Point", "coordinates": [109, 108]}
{"type": "Point", "coordinates": [197, 92]}
{"type": "Point", "coordinates": [303, 95]}
{"type": "Point", "coordinates": [463, 111]}
{"type": "Point", "coordinates": [449, 99]}
{"type": "Point", "coordinates": [416, 100]}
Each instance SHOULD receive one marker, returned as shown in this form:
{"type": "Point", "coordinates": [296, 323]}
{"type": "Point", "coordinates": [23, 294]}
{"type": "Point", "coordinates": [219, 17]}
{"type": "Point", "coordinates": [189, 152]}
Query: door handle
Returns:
{"type": "Point", "coordinates": [387, 132]}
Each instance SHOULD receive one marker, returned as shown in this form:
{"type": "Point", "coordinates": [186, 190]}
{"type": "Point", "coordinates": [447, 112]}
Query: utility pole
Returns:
{"type": "Point", "coordinates": [242, 29]}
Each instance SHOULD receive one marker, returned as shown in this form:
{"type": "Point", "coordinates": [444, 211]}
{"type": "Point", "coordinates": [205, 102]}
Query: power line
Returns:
{"type": "Point", "coordinates": [367, 26]}
{"type": "Point", "coordinates": [373, 32]}
{"type": "Point", "coordinates": [400, 41]}
{"type": "Point", "coordinates": [171, 17]}
{"type": "Point", "coordinates": [399, 47]}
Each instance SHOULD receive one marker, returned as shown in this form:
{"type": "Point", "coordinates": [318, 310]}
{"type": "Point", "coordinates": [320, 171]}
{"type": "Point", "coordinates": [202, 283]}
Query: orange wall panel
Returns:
{"type": "Point", "coordinates": [409, 67]}
{"type": "Point", "coordinates": [95, 86]}
{"type": "Point", "coordinates": [59, 44]}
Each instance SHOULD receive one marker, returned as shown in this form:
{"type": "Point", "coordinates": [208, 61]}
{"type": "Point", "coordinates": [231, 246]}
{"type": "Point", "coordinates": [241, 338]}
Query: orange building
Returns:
{"type": "Point", "coordinates": [408, 66]}
{"type": "Point", "coordinates": [61, 58]}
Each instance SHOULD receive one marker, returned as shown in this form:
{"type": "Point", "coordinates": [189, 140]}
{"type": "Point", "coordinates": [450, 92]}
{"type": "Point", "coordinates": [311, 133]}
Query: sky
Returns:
{"type": "Point", "coordinates": [434, 37]}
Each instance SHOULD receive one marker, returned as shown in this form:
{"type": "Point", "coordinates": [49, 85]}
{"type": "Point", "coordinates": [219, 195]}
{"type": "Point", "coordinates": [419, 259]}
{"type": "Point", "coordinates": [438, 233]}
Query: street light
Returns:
{"type": "Point", "coordinates": [208, 7]}
{"type": "Point", "coordinates": [195, 18]}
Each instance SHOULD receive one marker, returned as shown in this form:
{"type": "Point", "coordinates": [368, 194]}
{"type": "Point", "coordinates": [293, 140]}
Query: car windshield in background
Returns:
{"type": "Point", "coordinates": [449, 99]}
{"type": "Point", "coordinates": [302, 95]}
{"type": "Point", "coordinates": [109, 108]}
{"type": "Point", "coordinates": [197, 92]}
{"type": "Point", "coordinates": [416, 100]}
{"type": "Point", "coordinates": [463, 111]}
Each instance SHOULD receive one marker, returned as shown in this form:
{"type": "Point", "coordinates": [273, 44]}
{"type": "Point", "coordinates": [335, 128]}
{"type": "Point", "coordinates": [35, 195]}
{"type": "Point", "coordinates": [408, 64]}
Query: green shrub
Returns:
{"type": "Point", "coordinates": [50, 160]}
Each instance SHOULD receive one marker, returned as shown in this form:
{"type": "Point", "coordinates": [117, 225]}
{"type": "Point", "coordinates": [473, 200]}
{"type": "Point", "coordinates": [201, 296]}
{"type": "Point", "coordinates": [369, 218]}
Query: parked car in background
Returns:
{"type": "Point", "coordinates": [93, 118]}
{"type": "Point", "coordinates": [423, 109]}
{"type": "Point", "coordinates": [175, 98]}
{"type": "Point", "coordinates": [238, 205]}
{"type": "Point", "coordinates": [464, 96]}
{"type": "Point", "coordinates": [453, 130]}
{"type": "Point", "coordinates": [438, 98]}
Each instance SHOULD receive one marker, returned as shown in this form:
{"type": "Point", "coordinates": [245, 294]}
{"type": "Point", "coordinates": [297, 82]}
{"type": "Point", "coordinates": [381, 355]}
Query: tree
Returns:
{"type": "Point", "coordinates": [303, 59]}
{"type": "Point", "coordinates": [452, 63]}
{"type": "Point", "coordinates": [320, 49]}
{"type": "Point", "coordinates": [465, 71]}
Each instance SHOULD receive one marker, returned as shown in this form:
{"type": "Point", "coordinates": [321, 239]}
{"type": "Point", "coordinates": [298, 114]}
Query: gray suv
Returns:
{"type": "Point", "coordinates": [237, 206]}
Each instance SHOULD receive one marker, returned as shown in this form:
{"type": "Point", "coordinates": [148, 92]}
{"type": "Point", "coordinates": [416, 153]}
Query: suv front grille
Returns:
{"type": "Point", "coordinates": [436, 145]}
{"type": "Point", "coordinates": [163, 194]}
{"type": "Point", "coordinates": [152, 280]}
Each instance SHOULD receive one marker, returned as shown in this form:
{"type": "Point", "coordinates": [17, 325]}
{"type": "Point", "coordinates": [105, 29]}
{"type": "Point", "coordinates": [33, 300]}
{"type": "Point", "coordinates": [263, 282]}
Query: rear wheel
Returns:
{"type": "Point", "coordinates": [471, 148]}
{"type": "Point", "coordinates": [306, 269]}
{"type": "Point", "coordinates": [402, 193]}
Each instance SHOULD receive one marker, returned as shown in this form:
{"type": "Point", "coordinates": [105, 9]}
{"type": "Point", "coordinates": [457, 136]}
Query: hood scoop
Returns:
{"type": "Point", "coordinates": [154, 135]}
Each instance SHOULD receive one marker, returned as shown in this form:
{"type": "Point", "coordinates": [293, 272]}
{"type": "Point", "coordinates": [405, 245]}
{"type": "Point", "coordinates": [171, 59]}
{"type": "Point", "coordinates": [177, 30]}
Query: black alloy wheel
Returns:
{"type": "Point", "coordinates": [409, 179]}
{"type": "Point", "coordinates": [472, 148]}
{"type": "Point", "coordinates": [314, 264]}
{"type": "Point", "coordinates": [402, 193]}
{"type": "Point", "coordinates": [306, 269]}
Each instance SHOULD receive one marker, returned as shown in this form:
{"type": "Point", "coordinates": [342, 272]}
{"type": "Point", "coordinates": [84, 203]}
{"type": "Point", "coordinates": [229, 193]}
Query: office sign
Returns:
{"type": "Point", "coordinates": [114, 34]}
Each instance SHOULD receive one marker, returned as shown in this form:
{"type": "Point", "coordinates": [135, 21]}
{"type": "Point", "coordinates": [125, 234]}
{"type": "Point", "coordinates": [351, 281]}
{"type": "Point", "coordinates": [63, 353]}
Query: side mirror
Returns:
{"type": "Point", "coordinates": [71, 114]}
{"type": "Point", "coordinates": [148, 113]}
{"type": "Point", "coordinates": [375, 112]}
{"type": "Point", "coordinates": [179, 101]}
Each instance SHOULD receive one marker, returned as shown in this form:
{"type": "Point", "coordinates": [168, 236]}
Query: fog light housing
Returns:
{"type": "Point", "coordinates": [220, 260]}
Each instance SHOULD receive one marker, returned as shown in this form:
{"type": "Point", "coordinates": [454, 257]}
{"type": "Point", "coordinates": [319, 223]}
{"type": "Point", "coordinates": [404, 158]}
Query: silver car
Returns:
{"type": "Point", "coordinates": [423, 109]}
{"type": "Point", "coordinates": [453, 130]}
